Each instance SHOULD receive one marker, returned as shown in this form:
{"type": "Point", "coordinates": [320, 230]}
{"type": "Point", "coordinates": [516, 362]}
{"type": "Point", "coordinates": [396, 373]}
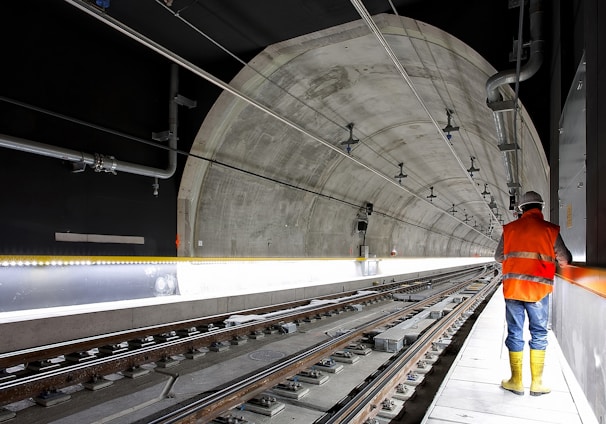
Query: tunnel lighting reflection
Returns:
{"type": "Point", "coordinates": [29, 283]}
{"type": "Point", "coordinates": [165, 285]}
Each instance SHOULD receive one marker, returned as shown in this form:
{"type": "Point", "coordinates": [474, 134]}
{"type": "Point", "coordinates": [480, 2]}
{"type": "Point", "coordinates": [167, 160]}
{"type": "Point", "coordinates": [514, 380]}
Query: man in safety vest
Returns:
{"type": "Point", "coordinates": [529, 249]}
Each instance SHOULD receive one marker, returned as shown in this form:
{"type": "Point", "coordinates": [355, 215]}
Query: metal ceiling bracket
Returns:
{"type": "Point", "coordinates": [509, 147]}
{"type": "Point", "coordinates": [184, 101]}
{"type": "Point", "coordinates": [161, 136]}
{"type": "Point", "coordinates": [501, 106]}
{"type": "Point", "coordinates": [513, 54]}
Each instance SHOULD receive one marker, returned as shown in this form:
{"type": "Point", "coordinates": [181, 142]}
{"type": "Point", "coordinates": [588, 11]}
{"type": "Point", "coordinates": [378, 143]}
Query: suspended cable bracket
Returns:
{"type": "Point", "coordinates": [350, 141]}
{"type": "Point", "coordinates": [472, 168]}
{"type": "Point", "coordinates": [485, 192]}
{"type": "Point", "coordinates": [431, 195]}
{"type": "Point", "coordinates": [449, 127]}
{"type": "Point", "coordinates": [401, 174]}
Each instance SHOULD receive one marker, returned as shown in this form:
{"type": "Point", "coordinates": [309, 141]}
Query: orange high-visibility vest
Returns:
{"type": "Point", "coordinates": [529, 257]}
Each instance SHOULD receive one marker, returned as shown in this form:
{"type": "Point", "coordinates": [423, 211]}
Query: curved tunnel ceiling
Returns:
{"type": "Point", "coordinates": [281, 182]}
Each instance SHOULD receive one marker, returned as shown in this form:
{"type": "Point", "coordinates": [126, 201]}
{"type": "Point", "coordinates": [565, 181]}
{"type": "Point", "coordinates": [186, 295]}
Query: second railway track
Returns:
{"type": "Point", "coordinates": [71, 365]}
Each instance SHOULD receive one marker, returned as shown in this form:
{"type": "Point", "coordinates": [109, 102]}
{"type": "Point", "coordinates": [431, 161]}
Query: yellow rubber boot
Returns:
{"type": "Point", "coordinates": [537, 360]}
{"type": "Point", "coordinates": [514, 384]}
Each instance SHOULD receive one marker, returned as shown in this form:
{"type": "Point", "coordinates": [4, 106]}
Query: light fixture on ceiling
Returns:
{"type": "Point", "coordinates": [453, 210]}
{"type": "Point", "coordinates": [449, 127]}
{"type": "Point", "coordinates": [472, 168]}
{"type": "Point", "coordinates": [431, 195]}
{"type": "Point", "coordinates": [350, 141]}
{"type": "Point", "coordinates": [485, 192]}
{"type": "Point", "coordinates": [466, 218]}
{"type": "Point", "coordinates": [401, 174]}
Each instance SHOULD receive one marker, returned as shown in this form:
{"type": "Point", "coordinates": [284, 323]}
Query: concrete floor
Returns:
{"type": "Point", "coordinates": [472, 393]}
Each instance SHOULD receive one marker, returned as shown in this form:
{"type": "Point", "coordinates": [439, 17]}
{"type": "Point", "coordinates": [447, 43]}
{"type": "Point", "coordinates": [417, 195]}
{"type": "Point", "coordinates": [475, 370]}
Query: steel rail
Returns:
{"type": "Point", "coordinates": [39, 353]}
{"type": "Point", "coordinates": [30, 384]}
{"type": "Point", "coordinates": [210, 406]}
{"type": "Point", "coordinates": [364, 404]}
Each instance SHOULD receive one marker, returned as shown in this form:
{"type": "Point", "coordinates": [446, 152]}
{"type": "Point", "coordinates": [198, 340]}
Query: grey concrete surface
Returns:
{"type": "Point", "coordinates": [130, 399]}
{"type": "Point", "coordinates": [319, 83]}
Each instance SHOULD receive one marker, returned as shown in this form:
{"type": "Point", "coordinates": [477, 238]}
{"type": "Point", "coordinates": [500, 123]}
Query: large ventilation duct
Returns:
{"type": "Point", "coordinates": [102, 163]}
{"type": "Point", "coordinates": [500, 107]}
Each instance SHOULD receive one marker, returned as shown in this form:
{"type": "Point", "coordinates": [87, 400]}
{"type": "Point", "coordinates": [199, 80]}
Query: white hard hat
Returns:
{"type": "Point", "coordinates": [530, 197]}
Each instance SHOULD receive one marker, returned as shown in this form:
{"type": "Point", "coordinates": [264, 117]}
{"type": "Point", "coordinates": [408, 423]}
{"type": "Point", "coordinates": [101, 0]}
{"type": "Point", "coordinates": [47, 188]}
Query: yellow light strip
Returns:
{"type": "Point", "coordinates": [43, 260]}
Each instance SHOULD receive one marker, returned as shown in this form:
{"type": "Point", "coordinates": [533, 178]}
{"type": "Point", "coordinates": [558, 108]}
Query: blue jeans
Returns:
{"type": "Point", "coordinates": [538, 316]}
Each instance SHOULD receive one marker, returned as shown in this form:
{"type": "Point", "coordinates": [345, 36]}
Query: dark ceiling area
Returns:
{"type": "Point", "coordinates": [72, 81]}
{"type": "Point", "coordinates": [66, 61]}
{"type": "Point", "coordinates": [246, 28]}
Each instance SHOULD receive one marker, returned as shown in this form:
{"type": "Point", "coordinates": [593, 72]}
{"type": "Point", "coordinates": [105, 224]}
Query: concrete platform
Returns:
{"type": "Point", "coordinates": [471, 392]}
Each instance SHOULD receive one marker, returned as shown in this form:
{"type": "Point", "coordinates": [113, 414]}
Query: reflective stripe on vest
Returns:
{"type": "Point", "coordinates": [527, 277]}
{"type": "Point", "coordinates": [530, 255]}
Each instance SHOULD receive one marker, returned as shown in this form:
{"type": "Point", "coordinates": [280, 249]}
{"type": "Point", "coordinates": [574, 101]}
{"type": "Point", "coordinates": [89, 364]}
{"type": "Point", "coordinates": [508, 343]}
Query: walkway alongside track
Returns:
{"type": "Point", "coordinates": [471, 392]}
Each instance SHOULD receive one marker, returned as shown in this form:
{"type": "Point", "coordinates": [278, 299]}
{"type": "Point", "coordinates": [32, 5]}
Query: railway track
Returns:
{"type": "Point", "coordinates": [47, 369]}
{"type": "Point", "coordinates": [360, 406]}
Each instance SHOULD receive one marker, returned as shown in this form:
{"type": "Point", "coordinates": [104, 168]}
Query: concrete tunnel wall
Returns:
{"type": "Point", "coordinates": [284, 194]}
